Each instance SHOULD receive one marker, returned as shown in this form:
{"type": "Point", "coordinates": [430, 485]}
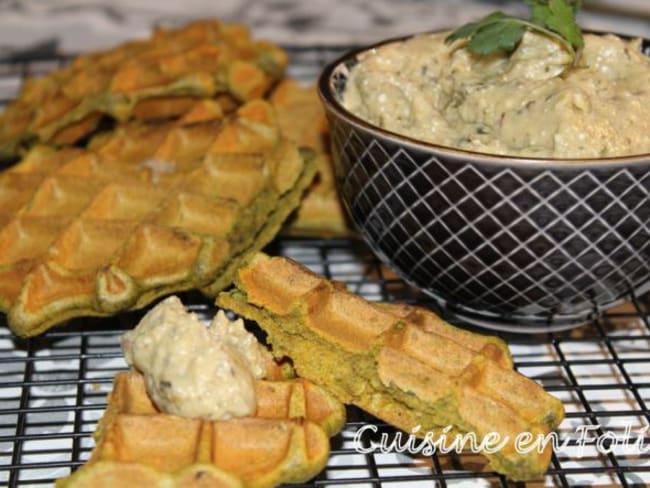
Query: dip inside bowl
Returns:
{"type": "Point", "coordinates": [508, 242]}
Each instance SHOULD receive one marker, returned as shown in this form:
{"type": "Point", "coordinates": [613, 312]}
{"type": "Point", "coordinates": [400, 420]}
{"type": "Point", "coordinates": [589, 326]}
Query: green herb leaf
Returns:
{"type": "Point", "coordinates": [470, 29]}
{"type": "Point", "coordinates": [563, 21]}
{"type": "Point", "coordinates": [500, 32]}
{"type": "Point", "coordinates": [502, 35]}
{"type": "Point", "coordinates": [540, 11]}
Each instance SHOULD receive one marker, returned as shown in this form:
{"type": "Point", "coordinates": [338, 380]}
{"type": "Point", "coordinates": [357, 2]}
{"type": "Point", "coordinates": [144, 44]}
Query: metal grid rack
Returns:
{"type": "Point", "coordinates": [53, 388]}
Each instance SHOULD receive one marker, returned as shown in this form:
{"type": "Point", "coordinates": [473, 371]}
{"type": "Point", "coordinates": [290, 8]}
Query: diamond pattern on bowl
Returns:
{"type": "Point", "coordinates": [519, 241]}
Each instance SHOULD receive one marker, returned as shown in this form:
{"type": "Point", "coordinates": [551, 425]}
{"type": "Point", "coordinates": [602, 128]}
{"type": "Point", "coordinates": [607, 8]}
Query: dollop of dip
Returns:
{"type": "Point", "coordinates": [531, 103]}
{"type": "Point", "coordinates": [194, 370]}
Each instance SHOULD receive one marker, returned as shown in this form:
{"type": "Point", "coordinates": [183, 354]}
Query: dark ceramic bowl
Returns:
{"type": "Point", "coordinates": [505, 242]}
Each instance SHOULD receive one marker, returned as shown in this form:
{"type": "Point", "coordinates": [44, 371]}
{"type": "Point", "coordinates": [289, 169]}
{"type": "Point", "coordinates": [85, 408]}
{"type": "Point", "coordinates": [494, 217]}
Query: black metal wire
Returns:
{"type": "Point", "coordinates": [48, 411]}
{"type": "Point", "coordinates": [328, 257]}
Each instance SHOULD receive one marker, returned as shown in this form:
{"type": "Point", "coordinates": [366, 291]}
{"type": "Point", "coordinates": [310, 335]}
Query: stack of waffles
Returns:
{"type": "Point", "coordinates": [156, 77]}
{"type": "Point", "coordinates": [142, 212]}
{"type": "Point", "coordinates": [197, 167]}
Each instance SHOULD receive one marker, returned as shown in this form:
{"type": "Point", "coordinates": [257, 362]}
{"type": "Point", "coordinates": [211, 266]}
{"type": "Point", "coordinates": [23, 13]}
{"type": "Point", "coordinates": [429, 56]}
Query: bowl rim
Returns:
{"type": "Point", "coordinates": [333, 105]}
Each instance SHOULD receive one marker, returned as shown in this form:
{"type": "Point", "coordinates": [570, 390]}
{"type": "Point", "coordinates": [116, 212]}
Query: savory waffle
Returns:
{"type": "Point", "coordinates": [142, 213]}
{"type": "Point", "coordinates": [158, 77]}
{"type": "Point", "coordinates": [400, 363]}
{"type": "Point", "coordinates": [286, 441]}
{"type": "Point", "coordinates": [302, 119]}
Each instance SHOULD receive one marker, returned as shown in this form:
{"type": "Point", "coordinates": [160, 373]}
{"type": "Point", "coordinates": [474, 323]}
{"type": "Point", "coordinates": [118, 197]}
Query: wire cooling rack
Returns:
{"type": "Point", "coordinates": [53, 388]}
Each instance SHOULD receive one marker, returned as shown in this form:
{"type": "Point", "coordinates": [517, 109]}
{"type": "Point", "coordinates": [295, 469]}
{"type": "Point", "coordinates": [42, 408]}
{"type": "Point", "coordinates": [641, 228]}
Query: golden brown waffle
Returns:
{"type": "Point", "coordinates": [286, 441]}
{"type": "Point", "coordinates": [400, 363]}
{"type": "Point", "coordinates": [202, 59]}
{"type": "Point", "coordinates": [302, 119]}
{"type": "Point", "coordinates": [142, 213]}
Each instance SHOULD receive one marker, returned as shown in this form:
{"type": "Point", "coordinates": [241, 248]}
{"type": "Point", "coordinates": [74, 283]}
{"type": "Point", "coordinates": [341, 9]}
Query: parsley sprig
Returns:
{"type": "Point", "coordinates": [501, 32]}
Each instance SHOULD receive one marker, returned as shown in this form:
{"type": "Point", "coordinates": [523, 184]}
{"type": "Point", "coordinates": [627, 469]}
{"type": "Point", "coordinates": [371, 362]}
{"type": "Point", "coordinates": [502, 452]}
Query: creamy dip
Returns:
{"type": "Point", "coordinates": [525, 104]}
{"type": "Point", "coordinates": [192, 370]}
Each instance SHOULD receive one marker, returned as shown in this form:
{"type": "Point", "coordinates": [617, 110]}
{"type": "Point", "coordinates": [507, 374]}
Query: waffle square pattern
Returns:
{"type": "Point", "coordinates": [400, 363]}
{"type": "Point", "coordinates": [202, 59]}
{"type": "Point", "coordinates": [286, 440]}
{"type": "Point", "coordinates": [144, 211]}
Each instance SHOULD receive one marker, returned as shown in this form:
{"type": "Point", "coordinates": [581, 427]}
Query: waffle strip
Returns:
{"type": "Point", "coordinates": [141, 214]}
{"type": "Point", "coordinates": [400, 363]}
{"type": "Point", "coordinates": [286, 441]}
{"type": "Point", "coordinates": [302, 119]}
{"type": "Point", "coordinates": [169, 70]}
